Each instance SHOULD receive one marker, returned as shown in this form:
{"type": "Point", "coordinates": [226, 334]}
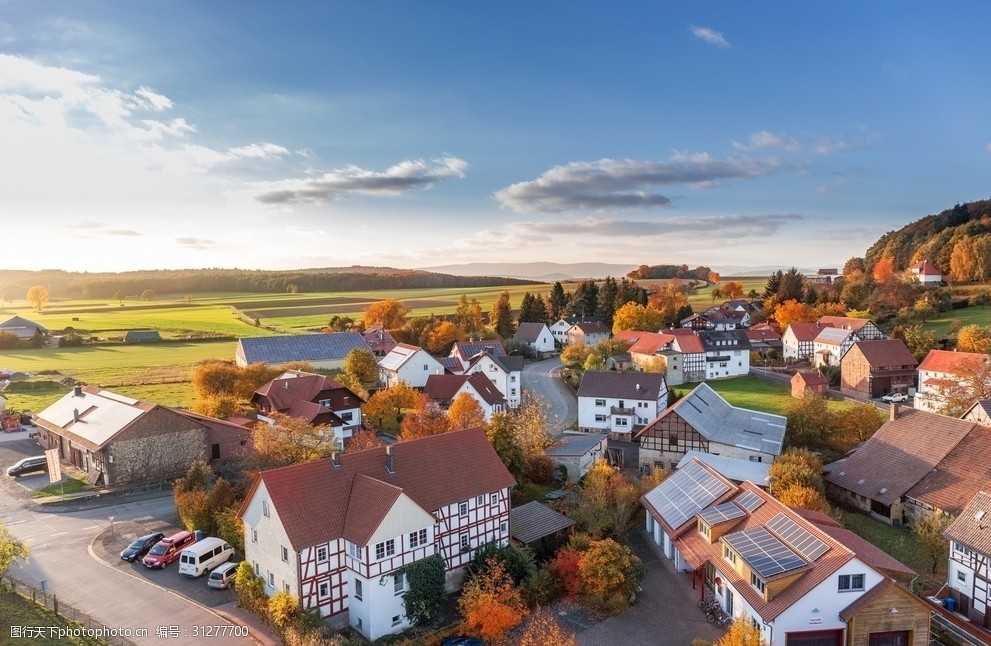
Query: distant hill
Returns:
{"type": "Point", "coordinates": [542, 271]}
{"type": "Point", "coordinates": [935, 237]}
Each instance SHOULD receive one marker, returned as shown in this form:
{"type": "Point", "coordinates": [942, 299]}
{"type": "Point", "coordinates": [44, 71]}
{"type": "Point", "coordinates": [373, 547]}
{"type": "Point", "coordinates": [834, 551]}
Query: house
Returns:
{"type": "Point", "coordinates": [537, 336]}
{"type": "Point", "coordinates": [764, 339]}
{"type": "Point", "coordinates": [878, 476]}
{"type": "Point", "coordinates": [831, 344]}
{"type": "Point", "coordinates": [864, 328]}
{"type": "Point", "coordinates": [337, 532]}
{"type": "Point", "coordinates": [322, 351]}
{"type": "Point", "coordinates": [980, 412]}
{"type": "Point", "coordinates": [734, 469]}
{"type": "Point", "coordinates": [379, 340]}
{"type": "Point", "coordinates": [617, 402]}
{"type": "Point", "coordinates": [313, 398]}
{"type": "Point", "coordinates": [948, 487]}
{"type": "Point", "coordinates": [575, 453]}
{"type": "Point", "coordinates": [442, 389]}
{"type": "Point", "coordinates": [717, 318]}
{"type": "Point", "coordinates": [505, 371]}
{"type": "Point", "coordinates": [727, 353]}
{"type": "Point", "coordinates": [803, 382]}
{"type": "Point", "coordinates": [926, 273]}
{"type": "Point", "coordinates": [22, 328]}
{"type": "Point", "coordinates": [587, 333]}
{"type": "Point", "coordinates": [646, 348]}
{"type": "Point", "coordinates": [942, 372]}
{"type": "Point", "coordinates": [408, 363]}
{"type": "Point", "coordinates": [824, 276]}
{"type": "Point", "coordinates": [686, 361]}
{"type": "Point", "coordinates": [559, 330]}
{"type": "Point", "coordinates": [762, 561]}
{"type": "Point", "coordinates": [876, 368]}
{"type": "Point", "coordinates": [969, 570]}
{"type": "Point", "coordinates": [117, 439]}
{"type": "Point", "coordinates": [463, 351]}
{"type": "Point", "coordinates": [704, 421]}
{"type": "Point", "coordinates": [798, 340]}
{"type": "Point", "coordinates": [620, 362]}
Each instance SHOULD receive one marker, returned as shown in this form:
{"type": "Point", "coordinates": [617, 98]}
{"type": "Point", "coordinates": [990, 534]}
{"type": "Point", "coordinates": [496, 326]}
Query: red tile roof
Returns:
{"type": "Point", "coordinates": [844, 322]}
{"type": "Point", "coordinates": [372, 501]}
{"type": "Point", "coordinates": [811, 378]}
{"type": "Point", "coordinates": [925, 268]}
{"type": "Point", "coordinates": [973, 526]}
{"type": "Point", "coordinates": [951, 362]}
{"type": "Point", "coordinates": [314, 499]}
{"type": "Point", "coordinates": [805, 331]}
{"type": "Point", "coordinates": [962, 473]}
{"type": "Point", "coordinates": [644, 342]}
{"type": "Point", "coordinates": [886, 353]}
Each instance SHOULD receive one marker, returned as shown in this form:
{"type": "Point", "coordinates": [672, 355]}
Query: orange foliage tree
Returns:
{"type": "Point", "coordinates": [741, 633]}
{"type": "Point", "coordinates": [362, 440]}
{"type": "Point", "coordinates": [390, 313]}
{"type": "Point", "coordinates": [543, 630]}
{"type": "Point", "coordinates": [490, 604]}
{"type": "Point", "coordinates": [427, 420]}
{"type": "Point", "coordinates": [608, 574]}
{"type": "Point", "coordinates": [465, 412]}
{"type": "Point", "coordinates": [792, 311]}
{"type": "Point", "coordinates": [883, 269]}
{"type": "Point", "coordinates": [803, 497]}
{"type": "Point", "coordinates": [443, 336]}
{"type": "Point", "coordinates": [732, 290]}
{"type": "Point", "coordinates": [386, 407]}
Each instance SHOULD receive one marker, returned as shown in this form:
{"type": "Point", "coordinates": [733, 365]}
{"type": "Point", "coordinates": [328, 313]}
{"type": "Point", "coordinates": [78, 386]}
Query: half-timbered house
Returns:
{"type": "Point", "coordinates": [336, 533]}
{"type": "Point", "coordinates": [969, 571]}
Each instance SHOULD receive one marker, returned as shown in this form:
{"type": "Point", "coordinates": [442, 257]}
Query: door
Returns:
{"type": "Point", "coordinates": [729, 602]}
{"type": "Point", "coordinates": [894, 638]}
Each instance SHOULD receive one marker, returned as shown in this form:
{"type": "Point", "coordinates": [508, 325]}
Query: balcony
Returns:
{"type": "Point", "coordinates": [616, 410]}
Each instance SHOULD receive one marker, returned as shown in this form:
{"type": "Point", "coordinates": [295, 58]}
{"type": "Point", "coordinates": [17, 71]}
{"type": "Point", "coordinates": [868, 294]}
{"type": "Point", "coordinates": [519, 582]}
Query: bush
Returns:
{"type": "Point", "coordinates": [543, 588]}
{"type": "Point", "coordinates": [283, 608]}
{"type": "Point", "coordinates": [540, 470]}
{"type": "Point", "coordinates": [250, 589]}
{"type": "Point", "coordinates": [70, 341]}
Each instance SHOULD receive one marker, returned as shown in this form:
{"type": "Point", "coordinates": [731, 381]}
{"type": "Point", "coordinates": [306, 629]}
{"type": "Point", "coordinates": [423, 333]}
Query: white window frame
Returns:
{"type": "Point", "coordinates": [418, 538]}
{"type": "Point", "coordinates": [322, 554]}
{"type": "Point", "coordinates": [463, 509]}
{"type": "Point", "coordinates": [846, 582]}
{"type": "Point", "coordinates": [265, 510]}
{"type": "Point", "coordinates": [254, 535]}
{"type": "Point", "coordinates": [398, 584]}
{"type": "Point", "coordinates": [285, 554]}
{"type": "Point", "coordinates": [357, 589]}
{"type": "Point", "coordinates": [323, 590]}
{"type": "Point", "coordinates": [493, 500]}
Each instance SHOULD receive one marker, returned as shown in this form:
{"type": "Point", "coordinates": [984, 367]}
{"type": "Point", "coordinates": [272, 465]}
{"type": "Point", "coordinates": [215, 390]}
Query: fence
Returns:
{"type": "Point", "coordinates": [69, 613]}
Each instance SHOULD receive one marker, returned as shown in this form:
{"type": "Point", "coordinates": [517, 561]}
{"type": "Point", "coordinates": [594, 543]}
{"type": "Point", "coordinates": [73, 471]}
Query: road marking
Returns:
{"type": "Point", "coordinates": [58, 533]}
{"type": "Point", "coordinates": [16, 522]}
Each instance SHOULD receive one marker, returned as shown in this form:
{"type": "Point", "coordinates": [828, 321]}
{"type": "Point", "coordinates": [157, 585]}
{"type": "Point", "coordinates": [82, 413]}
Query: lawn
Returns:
{"type": "Point", "coordinates": [755, 393]}
{"type": "Point", "coordinates": [966, 316]}
{"type": "Point", "coordinates": [21, 612]}
{"type": "Point", "coordinates": [68, 485]}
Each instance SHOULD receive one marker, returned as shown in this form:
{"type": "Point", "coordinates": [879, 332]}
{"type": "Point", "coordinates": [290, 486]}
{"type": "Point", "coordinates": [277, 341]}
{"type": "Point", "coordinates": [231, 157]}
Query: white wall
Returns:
{"type": "Point", "coordinates": [267, 550]}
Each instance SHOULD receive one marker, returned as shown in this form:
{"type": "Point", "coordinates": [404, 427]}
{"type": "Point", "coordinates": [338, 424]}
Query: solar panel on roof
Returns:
{"type": "Point", "coordinates": [721, 513]}
{"type": "Point", "coordinates": [798, 537]}
{"type": "Point", "coordinates": [749, 500]}
{"type": "Point", "coordinates": [763, 552]}
{"type": "Point", "coordinates": [682, 495]}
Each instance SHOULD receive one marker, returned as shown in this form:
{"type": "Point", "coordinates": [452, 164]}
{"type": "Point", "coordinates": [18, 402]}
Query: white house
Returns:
{"type": "Point", "coordinates": [587, 333]}
{"type": "Point", "coordinates": [442, 389]}
{"type": "Point", "coordinates": [798, 340]}
{"type": "Point", "coordinates": [577, 452]}
{"type": "Point", "coordinates": [831, 344]}
{"type": "Point", "coordinates": [408, 363]}
{"type": "Point", "coordinates": [969, 571]}
{"type": "Point", "coordinates": [536, 335]}
{"type": "Point", "coordinates": [727, 353]}
{"type": "Point", "coordinates": [464, 351]}
{"type": "Point", "coordinates": [940, 373]}
{"type": "Point", "coordinates": [762, 561]}
{"type": "Point", "coordinates": [379, 510]}
{"type": "Point", "coordinates": [505, 371]}
{"type": "Point", "coordinates": [559, 330]}
{"type": "Point", "coordinates": [703, 421]}
{"type": "Point", "coordinates": [617, 402]}
{"type": "Point", "coordinates": [926, 273]}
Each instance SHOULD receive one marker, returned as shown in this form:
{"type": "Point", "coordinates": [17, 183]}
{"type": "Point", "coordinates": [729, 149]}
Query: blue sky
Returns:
{"type": "Point", "coordinates": [144, 135]}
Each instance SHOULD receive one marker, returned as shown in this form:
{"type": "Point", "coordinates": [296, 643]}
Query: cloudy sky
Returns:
{"type": "Point", "coordinates": [146, 134]}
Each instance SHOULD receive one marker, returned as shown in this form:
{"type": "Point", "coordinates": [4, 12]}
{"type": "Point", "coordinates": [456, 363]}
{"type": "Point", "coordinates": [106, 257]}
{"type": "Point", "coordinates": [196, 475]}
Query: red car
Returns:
{"type": "Point", "coordinates": [168, 549]}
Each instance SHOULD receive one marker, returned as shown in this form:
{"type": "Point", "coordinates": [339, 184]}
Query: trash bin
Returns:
{"type": "Point", "coordinates": [200, 534]}
{"type": "Point", "coordinates": [950, 604]}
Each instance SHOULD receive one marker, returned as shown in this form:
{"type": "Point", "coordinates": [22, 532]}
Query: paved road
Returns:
{"type": "Point", "coordinates": [542, 377]}
{"type": "Point", "coordinates": [62, 556]}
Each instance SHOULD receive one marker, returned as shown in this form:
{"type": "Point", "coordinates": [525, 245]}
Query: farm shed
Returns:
{"type": "Point", "coordinates": [322, 351]}
{"type": "Point", "coordinates": [142, 336]}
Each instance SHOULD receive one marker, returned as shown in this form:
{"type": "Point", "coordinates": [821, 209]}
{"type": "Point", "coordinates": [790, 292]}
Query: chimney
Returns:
{"type": "Point", "coordinates": [75, 414]}
{"type": "Point", "coordinates": [335, 459]}
{"type": "Point", "coordinates": [285, 384]}
{"type": "Point", "coordinates": [77, 390]}
{"type": "Point", "coordinates": [390, 461]}
{"type": "Point", "coordinates": [893, 412]}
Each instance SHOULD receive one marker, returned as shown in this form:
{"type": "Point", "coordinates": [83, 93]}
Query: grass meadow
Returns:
{"type": "Point", "coordinates": [756, 394]}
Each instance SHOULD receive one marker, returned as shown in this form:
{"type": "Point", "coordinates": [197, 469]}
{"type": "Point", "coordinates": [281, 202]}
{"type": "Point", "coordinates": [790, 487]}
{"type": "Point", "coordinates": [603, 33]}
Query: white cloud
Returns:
{"type": "Point", "coordinates": [712, 227]}
{"type": "Point", "coordinates": [710, 36]}
{"type": "Point", "coordinates": [623, 183]}
{"type": "Point", "coordinates": [764, 140]}
{"type": "Point", "coordinates": [394, 180]}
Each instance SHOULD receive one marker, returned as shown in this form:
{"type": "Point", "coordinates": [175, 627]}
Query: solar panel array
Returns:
{"type": "Point", "coordinates": [797, 537]}
{"type": "Point", "coordinates": [763, 552]}
{"type": "Point", "coordinates": [689, 490]}
{"type": "Point", "coordinates": [749, 500]}
{"type": "Point", "coordinates": [721, 513]}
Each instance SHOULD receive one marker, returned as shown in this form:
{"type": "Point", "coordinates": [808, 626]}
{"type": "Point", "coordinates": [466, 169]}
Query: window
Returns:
{"type": "Point", "coordinates": [396, 619]}
{"type": "Point", "coordinates": [600, 402]}
{"type": "Point", "coordinates": [729, 555]}
{"type": "Point", "coordinates": [357, 590]}
{"type": "Point", "coordinates": [703, 529]}
{"type": "Point", "coordinates": [673, 439]}
{"type": "Point", "coordinates": [354, 550]}
{"type": "Point", "coordinates": [271, 580]}
{"type": "Point", "coordinates": [321, 554]}
{"type": "Point", "coordinates": [756, 582]}
{"type": "Point", "coordinates": [254, 535]}
{"type": "Point", "coordinates": [324, 590]}
{"type": "Point", "coordinates": [464, 542]}
{"type": "Point", "coordinates": [961, 576]}
{"type": "Point", "coordinates": [503, 527]}
{"type": "Point", "coordinates": [622, 421]}
{"type": "Point", "coordinates": [851, 582]}
{"type": "Point", "coordinates": [463, 509]}
{"type": "Point", "coordinates": [347, 417]}
{"type": "Point", "coordinates": [512, 391]}
{"type": "Point", "coordinates": [426, 367]}
{"type": "Point", "coordinates": [601, 418]}
{"type": "Point", "coordinates": [255, 564]}
{"type": "Point", "coordinates": [398, 584]}
{"type": "Point", "coordinates": [265, 508]}
{"type": "Point", "coordinates": [512, 379]}
{"type": "Point", "coordinates": [479, 501]}
{"type": "Point", "coordinates": [285, 554]}
{"type": "Point", "coordinates": [492, 367]}
{"type": "Point", "coordinates": [756, 458]}
{"type": "Point", "coordinates": [416, 539]}
{"type": "Point", "coordinates": [384, 549]}
{"type": "Point", "coordinates": [214, 451]}
{"type": "Point", "coordinates": [285, 587]}
{"type": "Point", "coordinates": [494, 499]}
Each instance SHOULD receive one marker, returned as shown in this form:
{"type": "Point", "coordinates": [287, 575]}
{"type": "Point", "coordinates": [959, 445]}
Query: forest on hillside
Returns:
{"type": "Point", "coordinates": [64, 284]}
{"type": "Point", "coordinates": [957, 241]}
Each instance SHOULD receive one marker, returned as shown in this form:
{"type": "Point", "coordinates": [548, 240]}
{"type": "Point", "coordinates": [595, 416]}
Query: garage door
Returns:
{"type": "Point", "coordinates": [895, 638]}
{"type": "Point", "coordinates": [815, 638]}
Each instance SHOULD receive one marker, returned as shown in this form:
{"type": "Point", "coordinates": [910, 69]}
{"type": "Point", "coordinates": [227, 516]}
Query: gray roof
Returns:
{"type": "Point", "coordinates": [529, 332]}
{"type": "Point", "coordinates": [301, 347]}
{"type": "Point", "coordinates": [736, 469]}
{"type": "Point", "coordinates": [720, 422]}
{"type": "Point", "coordinates": [724, 339]}
{"type": "Point", "coordinates": [973, 526]}
{"type": "Point", "coordinates": [535, 520]}
{"type": "Point", "coordinates": [399, 355]}
{"type": "Point", "coordinates": [17, 321]}
{"type": "Point", "coordinates": [629, 385]}
{"type": "Point", "coordinates": [833, 335]}
{"type": "Point", "coordinates": [509, 363]}
{"type": "Point", "coordinates": [575, 444]}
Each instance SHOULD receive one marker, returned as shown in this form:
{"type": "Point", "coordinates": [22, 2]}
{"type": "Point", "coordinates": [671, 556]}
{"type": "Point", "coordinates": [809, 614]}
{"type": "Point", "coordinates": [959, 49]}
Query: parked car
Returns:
{"type": "Point", "coordinates": [223, 575]}
{"type": "Point", "coordinates": [168, 549]}
{"type": "Point", "coordinates": [36, 463]}
{"type": "Point", "coordinates": [895, 397]}
{"type": "Point", "coordinates": [140, 546]}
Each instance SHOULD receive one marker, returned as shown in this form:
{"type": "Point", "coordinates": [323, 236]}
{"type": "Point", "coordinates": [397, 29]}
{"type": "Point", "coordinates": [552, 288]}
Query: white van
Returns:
{"type": "Point", "coordinates": [204, 555]}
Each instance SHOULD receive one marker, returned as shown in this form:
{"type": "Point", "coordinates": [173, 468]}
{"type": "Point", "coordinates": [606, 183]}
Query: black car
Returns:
{"type": "Point", "coordinates": [140, 546]}
{"type": "Point", "coordinates": [37, 463]}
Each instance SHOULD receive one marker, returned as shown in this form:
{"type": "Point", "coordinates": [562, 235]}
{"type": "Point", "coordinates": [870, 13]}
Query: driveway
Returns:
{"type": "Point", "coordinates": [542, 378]}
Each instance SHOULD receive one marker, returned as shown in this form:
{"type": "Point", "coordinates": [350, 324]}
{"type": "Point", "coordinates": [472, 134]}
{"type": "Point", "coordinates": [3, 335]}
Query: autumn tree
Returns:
{"type": "Point", "coordinates": [119, 296]}
{"type": "Point", "coordinates": [361, 365]}
{"type": "Point", "coordinates": [974, 338]}
{"type": "Point", "coordinates": [501, 433]}
{"type": "Point", "coordinates": [468, 315]}
{"type": "Point", "coordinates": [363, 440]}
{"type": "Point", "coordinates": [502, 316]}
{"type": "Point", "coordinates": [796, 467]}
{"type": "Point", "coordinates": [543, 630]}
{"type": "Point", "coordinates": [918, 340]}
{"type": "Point", "coordinates": [732, 290]}
{"type": "Point", "coordinates": [428, 419]}
{"type": "Point", "coordinates": [608, 575]}
{"type": "Point", "coordinates": [671, 302]}
{"type": "Point", "coordinates": [338, 323]}
{"type": "Point", "coordinates": [793, 311]}
{"type": "Point", "coordinates": [809, 421]}
{"type": "Point", "coordinates": [973, 384]}
{"type": "Point", "coordinates": [530, 423]}
{"type": "Point", "coordinates": [634, 316]}
{"type": "Point", "coordinates": [389, 313]}
{"type": "Point", "coordinates": [11, 550]}
{"type": "Point", "coordinates": [443, 336]}
{"type": "Point", "coordinates": [148, 295]}
{"type": "Point", "coordinates": [221, 388]}
{"type": "Point", "coordinates": [37, 296]}
{"type": "Point", "coordinates": [574, 355]}
{"type": "Point", "coordinates": [803, 497]}
{"type": "Point", "coordinates": [929, 530]}
{"type": "Point", "coordinates": [854, 267]}
{"type": "Point", "coordinates": [491, 605]}
{"type": "Point", "coordinates": [855, 424]}
{"type": "Point", "coordinates": [742, 633]}
{"type": "Point", "coordinates": [387, 407]}
{"type": "Point", "coordinates": [883, 269]}
{"type": "Point", "coordinates": [607, 503]}
{"type": "Point", "coordinates": [465, 412]}
{"type": "Point", "coordinates": [291, 440]}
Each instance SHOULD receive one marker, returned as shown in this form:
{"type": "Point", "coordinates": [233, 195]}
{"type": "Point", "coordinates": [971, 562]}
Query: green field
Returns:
{"type": "Point", "coordinates": [967, 316]}
{"type": "Point", "coordinates": [755, 393]}
{"type": "Point", "coordinates": [21, 612]}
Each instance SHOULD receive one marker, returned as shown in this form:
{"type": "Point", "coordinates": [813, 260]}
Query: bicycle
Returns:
{"type": "Point", "coordinates": [708, 605]}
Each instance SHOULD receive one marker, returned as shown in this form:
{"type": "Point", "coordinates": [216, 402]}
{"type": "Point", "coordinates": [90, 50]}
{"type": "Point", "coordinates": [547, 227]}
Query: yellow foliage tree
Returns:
{"type": "Point", "coordinates": [803, 497]}
{"type": "Point", "coordinates": [292, 440]}
{"type": "Point", "coordinates": [741, 633]}
{"type": "Point", "coordinates": [37, 296]}
{"type": "Point", "coordinates": [608, 573]}
{"type": "Point", "coordinates": [465, 412]}
{"type": "Point", "coordinates": [795, 467]}
{"type": "Point", "coordinates": [389, 313]}
{"type": "Point", "coordinates": [634, 316]}
{"type": "Point", "coordinates": [428, 419]}
{"type": "Point", "coordinates": [387, 406]}
{"type": "Point", "coordinates": [443, 336]}
{"type": "Point", "coordinates": [974, 338]}
{"type": "Point", "coordinates": [792, 311]}
{"type": "Point", "coordinates": [490, 604]}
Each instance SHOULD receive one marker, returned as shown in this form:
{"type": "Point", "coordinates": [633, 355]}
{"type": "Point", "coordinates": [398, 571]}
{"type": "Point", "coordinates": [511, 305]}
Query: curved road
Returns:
{"type": "Point", "coordinates": [562, 406]}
